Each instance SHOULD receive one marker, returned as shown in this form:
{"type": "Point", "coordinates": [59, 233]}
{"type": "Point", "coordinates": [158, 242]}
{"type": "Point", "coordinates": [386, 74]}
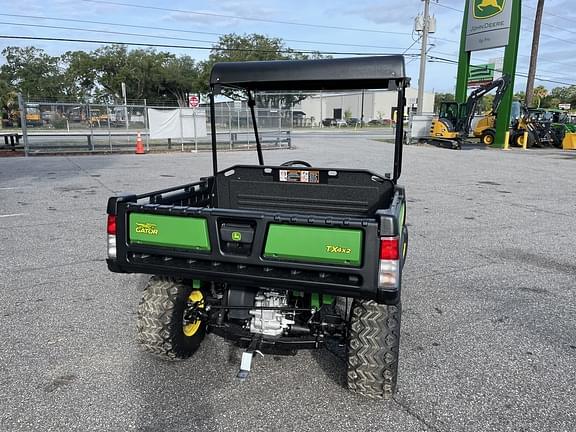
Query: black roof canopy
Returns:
{"type": "Point", "coordinates": [376, 72]}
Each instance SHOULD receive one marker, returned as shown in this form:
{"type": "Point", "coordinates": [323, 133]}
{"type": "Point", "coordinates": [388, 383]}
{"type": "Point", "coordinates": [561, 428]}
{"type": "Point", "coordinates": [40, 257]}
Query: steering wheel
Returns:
{"type": "Point", "coordinates": [296, 162]}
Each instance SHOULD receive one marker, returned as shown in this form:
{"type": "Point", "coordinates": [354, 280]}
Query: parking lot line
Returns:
{"type": "Point", "coordinates": [13, 215]}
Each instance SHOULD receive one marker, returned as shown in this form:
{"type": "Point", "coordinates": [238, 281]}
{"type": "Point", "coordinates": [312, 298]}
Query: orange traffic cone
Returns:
{"type": "Point", "coordinates": [139, 144]}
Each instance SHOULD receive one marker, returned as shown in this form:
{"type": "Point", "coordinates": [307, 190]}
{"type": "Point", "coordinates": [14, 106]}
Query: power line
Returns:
{"type": "Point", "coordinates": [155, 45]}
{"type": "Point", "coordinates": [142, 44]}
{"type": "Point", "coordinates": [410, 47]}
{"type": "Point", "coordinates": [105, 32]}
{"type": "Point", "coordinates": [211, 14]}
{"type": "Point", "coordinates": [571, 42]}
{"type": "Point", "coordinates": [176, 30]}
{"type": "Point", "coordinates": [571, 19]}
{"type": "Point", "coordinates": [447, 7]}
{"type": "Point", "coordinates": [553, 26]}
{"type": "Point", "coordinates": [141, 34]}
{"type": "Point", "coordinates": [567, 63]}
{"type": "Point", "coordinates": [518, 74]}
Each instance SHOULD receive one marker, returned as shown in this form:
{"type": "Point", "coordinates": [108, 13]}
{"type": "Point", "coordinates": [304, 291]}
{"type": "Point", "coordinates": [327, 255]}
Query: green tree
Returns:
{"type": "Point", "coordinates": [181, 77]}
{"type": "Point", "coordinates": [485, 104]}
{"type": "Point", "coordinates": [79, 76]}
{"type": "Point", "coordinates": [148, 74]}
{"type": "Point", "coordinates": [252, 47]}
{"type": "Point", "coordinates": [540, 93]}
{"type": "Point", "coordinates": [442, 97]}
{"type": "Point", "coordinates": [233, 47]}
{"type": "Point", "coordinates": [141, 70]}
{"type": "Point", "coordinates": [520, 96]}
{"type": "Point", "coordinates": [551, 102]}
{"type": "Point", "coordinates": [32, 72]}
{"type": "Point", "coordinates": [8, 101]}
{"type": "Point", "coordinates": [565, 95]}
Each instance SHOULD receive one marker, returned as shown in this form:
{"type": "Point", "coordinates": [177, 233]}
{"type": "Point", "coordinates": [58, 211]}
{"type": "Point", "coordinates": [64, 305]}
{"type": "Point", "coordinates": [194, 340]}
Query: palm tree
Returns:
{"type": "Point", "coordinates": [540, 92]}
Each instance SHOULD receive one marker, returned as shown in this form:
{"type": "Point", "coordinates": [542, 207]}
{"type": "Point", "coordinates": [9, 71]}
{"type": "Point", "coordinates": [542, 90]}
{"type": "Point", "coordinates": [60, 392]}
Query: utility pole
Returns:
{"type": "Point", "coordinates": [421, 78]}
{"type": "Point", "coordinates": [534, 54]}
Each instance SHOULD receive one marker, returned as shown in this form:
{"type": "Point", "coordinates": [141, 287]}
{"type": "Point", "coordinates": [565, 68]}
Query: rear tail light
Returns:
{"type": "Point", "coordinates": [389, 270]}
{"type": "Point", "coordinates": [111, 229]}
{"type": "Point", "coordinates": [389, 248]}
{"type": "Point", "coordinates": [111, 226]}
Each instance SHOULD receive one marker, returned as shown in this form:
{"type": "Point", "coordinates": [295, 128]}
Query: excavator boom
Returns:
{"type": "Point", "coordinates": [501, 84]}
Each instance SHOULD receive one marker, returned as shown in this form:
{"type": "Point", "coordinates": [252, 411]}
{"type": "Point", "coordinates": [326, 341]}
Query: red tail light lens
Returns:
{"type": "Point", "coordinates": [111, 226]}
{"type": "Point", "coordinates": [389, 248]}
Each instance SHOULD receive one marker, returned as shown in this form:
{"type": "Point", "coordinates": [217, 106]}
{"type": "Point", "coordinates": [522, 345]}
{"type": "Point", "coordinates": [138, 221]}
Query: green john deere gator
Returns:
{"type": "Point", "coordinates": [275, 258]}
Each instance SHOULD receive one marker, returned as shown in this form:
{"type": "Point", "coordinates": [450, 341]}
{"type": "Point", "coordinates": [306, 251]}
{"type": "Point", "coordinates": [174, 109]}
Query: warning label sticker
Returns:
{"type": "Point", "coordinates": [299, 176]}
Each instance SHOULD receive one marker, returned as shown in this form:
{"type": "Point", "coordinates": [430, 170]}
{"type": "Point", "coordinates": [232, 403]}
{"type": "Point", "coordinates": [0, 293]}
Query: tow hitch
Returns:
{"type": "Point", "coordinates": [247, 356]}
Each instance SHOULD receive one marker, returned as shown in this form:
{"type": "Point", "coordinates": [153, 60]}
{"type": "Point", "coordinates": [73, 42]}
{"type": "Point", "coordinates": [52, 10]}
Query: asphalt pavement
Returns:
{"type": "Point", "coordinates": [488, 329]}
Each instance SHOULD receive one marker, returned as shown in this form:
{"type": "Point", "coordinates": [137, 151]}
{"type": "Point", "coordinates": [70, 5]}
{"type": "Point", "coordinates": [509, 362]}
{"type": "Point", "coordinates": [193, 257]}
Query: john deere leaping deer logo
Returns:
{"type": "Point", "coordinates": [484, 9]}
{"type": "Point", "coordinates": [147, 228]}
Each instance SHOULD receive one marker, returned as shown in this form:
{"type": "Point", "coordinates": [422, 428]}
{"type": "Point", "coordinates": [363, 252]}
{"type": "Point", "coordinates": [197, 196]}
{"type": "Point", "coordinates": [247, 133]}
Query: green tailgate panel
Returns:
{"type": "Point", "coordinates": [314, 244]}
{"type": "Point", "coordinates": [172, 231]}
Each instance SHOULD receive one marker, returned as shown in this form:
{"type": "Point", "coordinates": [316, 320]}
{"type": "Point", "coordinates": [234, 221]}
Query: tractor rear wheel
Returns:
{"type": "Point", "coordinates": [373, 345]}
{"type": "Point", "coordinates": [558, 137]}
{"type": "Point", "coordinates": [487, 137]}
{"type": "Point", "coordinates": [163, 325]}
{"type": "Point", "coordinates": [519, 139]}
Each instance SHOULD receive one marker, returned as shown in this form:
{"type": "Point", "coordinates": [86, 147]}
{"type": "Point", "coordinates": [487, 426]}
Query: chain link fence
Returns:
{"type": "Point", "coordinates": [72, 127]}
{"type": "Point", "coordinates": [67, 127]}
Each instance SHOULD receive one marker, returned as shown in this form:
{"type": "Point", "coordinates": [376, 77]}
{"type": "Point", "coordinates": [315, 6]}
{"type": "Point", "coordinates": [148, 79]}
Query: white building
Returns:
{"type": "Point", "coordinates": [373, 104]}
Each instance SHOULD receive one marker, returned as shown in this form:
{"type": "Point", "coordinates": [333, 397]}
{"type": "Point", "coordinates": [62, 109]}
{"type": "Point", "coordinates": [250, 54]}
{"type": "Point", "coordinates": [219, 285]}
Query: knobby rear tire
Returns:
{"type": "Point", "coordinates": [373, 347]}
{"type": "Point", "coordinates": [160, 320]}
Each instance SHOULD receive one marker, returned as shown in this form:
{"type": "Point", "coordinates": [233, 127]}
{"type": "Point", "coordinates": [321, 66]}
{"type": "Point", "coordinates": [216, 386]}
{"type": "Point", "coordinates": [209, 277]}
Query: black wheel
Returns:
{"type": "Point", "coordinates": [373, 344]}
{"type": "Point", "coordinates": [519, 139]}
{"type": "Point", "coordinates": [557, 137]}
{"type": "Point", "coordinates": [165, 328]}
{"type": "Point", "coordinates": [487, 137]}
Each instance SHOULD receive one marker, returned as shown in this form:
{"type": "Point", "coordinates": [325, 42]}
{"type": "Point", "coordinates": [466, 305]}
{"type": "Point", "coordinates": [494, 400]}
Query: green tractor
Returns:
{"type": "Point", "coordinates": [562, 126]}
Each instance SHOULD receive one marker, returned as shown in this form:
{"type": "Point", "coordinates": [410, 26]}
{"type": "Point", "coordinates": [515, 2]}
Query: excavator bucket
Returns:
{"type": "Point", "coordinates": [569, 142]}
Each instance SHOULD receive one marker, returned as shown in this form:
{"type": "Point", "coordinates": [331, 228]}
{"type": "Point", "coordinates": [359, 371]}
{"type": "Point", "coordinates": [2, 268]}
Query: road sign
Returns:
{"type": "Point", "coordinates": [480, 75]}
{"type": "Point", "coordinates": [193, 101]}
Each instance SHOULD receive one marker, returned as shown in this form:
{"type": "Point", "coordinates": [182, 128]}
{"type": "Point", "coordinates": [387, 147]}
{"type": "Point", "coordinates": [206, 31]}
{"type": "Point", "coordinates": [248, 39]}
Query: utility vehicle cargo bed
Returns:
{"type": "Point", "coordinates": [239, 228]}
{"type": "Point", "coordinates": [303, 190]}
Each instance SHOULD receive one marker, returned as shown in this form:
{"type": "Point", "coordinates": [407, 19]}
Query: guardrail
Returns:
{"type": "Point", "coordinates": [85, 142]}
{"type": "Point", "coordinates": [11, 139]}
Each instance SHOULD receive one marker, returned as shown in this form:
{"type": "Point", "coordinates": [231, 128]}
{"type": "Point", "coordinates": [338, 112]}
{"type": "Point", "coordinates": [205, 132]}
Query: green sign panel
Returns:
{"type": "Point", "coordinates": [173, 231]}
{"type": "Point", "coordinates": [481, 73]}
{"type": "Point", "coordinates": [314, 244]}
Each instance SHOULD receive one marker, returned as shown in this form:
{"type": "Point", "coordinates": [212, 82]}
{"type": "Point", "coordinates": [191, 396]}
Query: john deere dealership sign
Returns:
{"type": "Point", "coordinates": [488, 24]}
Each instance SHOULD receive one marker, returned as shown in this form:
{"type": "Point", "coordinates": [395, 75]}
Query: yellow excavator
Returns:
{"type": "Point", "coordinates": [452, 126]}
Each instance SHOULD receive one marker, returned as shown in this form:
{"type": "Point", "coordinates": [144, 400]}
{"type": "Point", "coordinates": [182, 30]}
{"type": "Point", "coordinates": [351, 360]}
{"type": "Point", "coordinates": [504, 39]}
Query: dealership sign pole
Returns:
{"type": "Point", "coordinates": [491, 24]}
